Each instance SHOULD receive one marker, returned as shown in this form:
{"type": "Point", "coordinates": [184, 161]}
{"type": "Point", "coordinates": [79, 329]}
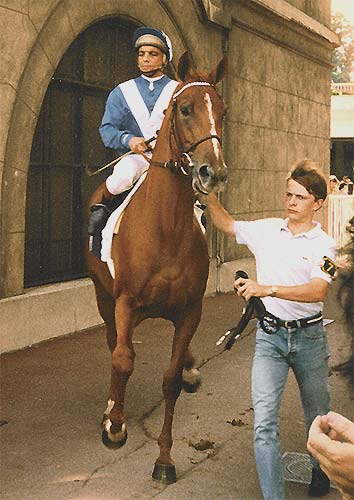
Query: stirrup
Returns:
{"type": "Point", "coordinates": [97, 206]}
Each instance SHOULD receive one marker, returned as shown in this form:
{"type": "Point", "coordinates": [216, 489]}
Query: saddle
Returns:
{"type": "Point", "coordinates": [101, 242]}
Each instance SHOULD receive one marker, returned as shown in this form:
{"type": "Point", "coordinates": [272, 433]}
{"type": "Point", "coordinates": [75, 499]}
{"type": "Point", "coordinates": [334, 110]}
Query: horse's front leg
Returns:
{"type": "Point", "coordinates": [106, 307]}
{"type": "Point", "coordinates": [114, 433]}
{"type": "Point", "coordinates": [164, 469]}
{"type": "Point", "coordinates": [191, 378]}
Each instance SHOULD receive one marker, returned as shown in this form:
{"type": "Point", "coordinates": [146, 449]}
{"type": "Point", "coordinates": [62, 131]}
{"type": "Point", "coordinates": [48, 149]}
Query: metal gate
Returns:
{"type": "Point", "coordinates": [66, 139]}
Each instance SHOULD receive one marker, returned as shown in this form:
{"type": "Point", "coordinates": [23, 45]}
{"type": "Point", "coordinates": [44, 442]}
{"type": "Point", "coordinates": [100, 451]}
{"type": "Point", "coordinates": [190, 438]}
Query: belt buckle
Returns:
{"type": "Point", "coordinates": [287, 323]}
{"type": "Point", "coordinates": [269, 323]}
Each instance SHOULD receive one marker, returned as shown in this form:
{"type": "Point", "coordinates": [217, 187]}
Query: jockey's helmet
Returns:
{"type": "Point", "coordinates": [155, 38]}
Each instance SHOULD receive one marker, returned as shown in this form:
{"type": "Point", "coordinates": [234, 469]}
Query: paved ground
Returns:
{"type": "Point", "coordinates": [53, 396]}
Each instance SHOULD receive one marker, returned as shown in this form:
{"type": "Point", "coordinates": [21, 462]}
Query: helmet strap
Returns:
{"type": "Point", "coordinates": [152, 72]}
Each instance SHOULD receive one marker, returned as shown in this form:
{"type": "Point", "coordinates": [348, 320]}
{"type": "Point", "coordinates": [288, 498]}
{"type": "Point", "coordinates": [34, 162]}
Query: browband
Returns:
{"type": "Point", "coordinates": [190, 84]}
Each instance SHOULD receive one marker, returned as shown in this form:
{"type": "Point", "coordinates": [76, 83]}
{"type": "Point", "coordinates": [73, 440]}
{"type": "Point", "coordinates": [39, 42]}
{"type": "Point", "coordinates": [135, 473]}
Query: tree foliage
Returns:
{"type": "Point", "coordinates": [343, 56]}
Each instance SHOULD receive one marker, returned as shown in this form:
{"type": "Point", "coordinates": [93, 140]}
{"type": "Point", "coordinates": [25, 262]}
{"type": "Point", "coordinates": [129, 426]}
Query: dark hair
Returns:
{"type": "Point", "coordinates": [307, 173]}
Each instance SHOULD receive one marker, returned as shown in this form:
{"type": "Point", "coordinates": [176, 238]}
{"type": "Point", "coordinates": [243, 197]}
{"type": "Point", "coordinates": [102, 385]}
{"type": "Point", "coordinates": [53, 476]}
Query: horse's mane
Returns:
{"type": "Point", "coordinates": [197, 77]}
{"type": "Point", "coordinates": [346, 290]}
{"type": "Point", "coordinates": [346, 287]}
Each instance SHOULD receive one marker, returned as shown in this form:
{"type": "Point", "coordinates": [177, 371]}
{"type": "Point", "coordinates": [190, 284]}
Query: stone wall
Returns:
{"type": "Point", "coordinates": [35, 35]}
{"type": "Point", "coordinates": [278, 97]}
{"type": "Point", "coordinates": [319, 10]}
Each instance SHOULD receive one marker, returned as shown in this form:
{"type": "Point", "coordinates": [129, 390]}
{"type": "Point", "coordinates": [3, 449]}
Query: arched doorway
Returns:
{"type": "Point", "coordinates": [66, 139]}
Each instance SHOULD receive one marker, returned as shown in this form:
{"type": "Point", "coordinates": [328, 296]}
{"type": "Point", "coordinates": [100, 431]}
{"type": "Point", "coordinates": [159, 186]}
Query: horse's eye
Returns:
{"type": "Point", "coordinates": [186, 110]}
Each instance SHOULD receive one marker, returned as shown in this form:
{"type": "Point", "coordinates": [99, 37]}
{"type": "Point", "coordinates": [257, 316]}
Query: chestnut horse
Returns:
{"type": "Point", "coordinates": [160, 254]}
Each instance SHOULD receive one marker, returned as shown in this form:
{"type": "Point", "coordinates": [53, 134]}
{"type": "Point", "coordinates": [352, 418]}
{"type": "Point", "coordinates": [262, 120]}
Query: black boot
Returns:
{"type": "Point", "coordinates": [320, 484]}
{"type": "Point", "coordinates": [100, 213]}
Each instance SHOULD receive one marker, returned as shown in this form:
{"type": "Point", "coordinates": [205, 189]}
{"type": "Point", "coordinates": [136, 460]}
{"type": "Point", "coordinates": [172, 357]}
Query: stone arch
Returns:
{"type": "Point", "coordinates": [69, 19]}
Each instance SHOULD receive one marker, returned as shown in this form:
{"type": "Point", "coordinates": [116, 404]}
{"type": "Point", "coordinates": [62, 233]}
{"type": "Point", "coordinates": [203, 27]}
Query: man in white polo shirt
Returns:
{"type": "Point", "coordinates": [294, 261]}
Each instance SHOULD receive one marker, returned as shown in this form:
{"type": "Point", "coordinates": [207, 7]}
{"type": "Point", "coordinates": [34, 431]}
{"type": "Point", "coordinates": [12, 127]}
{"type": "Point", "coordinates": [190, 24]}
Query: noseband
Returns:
{"type": "Point", "coordinates": [184, 161]}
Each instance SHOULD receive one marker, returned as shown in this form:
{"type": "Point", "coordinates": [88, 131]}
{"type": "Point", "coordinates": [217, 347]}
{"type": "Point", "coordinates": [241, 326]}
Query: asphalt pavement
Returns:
{"type": "Point", "coordinates": [53, 396]}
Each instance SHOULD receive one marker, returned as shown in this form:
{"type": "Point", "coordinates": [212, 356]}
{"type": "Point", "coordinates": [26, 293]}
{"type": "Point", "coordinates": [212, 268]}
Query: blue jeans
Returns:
{"type": "Point", "coordinates": [305, 350]}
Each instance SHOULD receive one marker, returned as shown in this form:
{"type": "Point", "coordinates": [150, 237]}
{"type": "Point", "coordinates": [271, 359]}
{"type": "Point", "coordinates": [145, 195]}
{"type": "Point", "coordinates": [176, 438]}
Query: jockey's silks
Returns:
{"type": "Point", "coordinates": [130, 108]}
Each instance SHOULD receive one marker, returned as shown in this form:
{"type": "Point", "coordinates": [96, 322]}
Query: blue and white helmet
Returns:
{"type": "Point", "coordinates": [153, 37]}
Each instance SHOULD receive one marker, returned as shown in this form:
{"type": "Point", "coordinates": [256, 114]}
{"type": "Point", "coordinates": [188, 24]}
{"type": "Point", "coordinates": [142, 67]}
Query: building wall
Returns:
{"type": "Point", "coordinates": [279, 109]}
{"type": "Point", "coordinates": [277, 92]}
{"type": "Point", "coordinates": [319, 10]}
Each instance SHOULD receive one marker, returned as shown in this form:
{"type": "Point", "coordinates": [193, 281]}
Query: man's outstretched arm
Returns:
{"type": "Point", "coordinates": [221, 219]}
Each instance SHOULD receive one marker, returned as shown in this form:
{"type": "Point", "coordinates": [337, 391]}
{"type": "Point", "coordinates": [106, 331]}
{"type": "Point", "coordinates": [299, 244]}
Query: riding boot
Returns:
{"type": "Point", "coordinates": [100, 213]}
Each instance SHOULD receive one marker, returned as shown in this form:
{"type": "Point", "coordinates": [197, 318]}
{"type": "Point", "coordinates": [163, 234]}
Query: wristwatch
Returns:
{"type": "Point", "coordinates": [274, 291]}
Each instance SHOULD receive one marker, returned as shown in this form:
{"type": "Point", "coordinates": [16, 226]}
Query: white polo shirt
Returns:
{"type": "Point", "coordinates": [286, 259]}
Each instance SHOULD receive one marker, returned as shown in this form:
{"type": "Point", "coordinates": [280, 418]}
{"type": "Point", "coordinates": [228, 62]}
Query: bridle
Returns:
{"type": "Point", "coordinates": [184, 162]}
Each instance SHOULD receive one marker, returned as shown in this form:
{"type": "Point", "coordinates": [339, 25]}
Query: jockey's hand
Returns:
{"type": "Point", "coordinates": [137, 145]}
{"type": "Point", "coordinates": [247, 288]}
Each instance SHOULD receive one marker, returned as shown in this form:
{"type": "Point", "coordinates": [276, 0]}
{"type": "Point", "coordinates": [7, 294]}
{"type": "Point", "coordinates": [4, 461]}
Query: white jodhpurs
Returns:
{"type": "Point", "coordinates": [125, 173]}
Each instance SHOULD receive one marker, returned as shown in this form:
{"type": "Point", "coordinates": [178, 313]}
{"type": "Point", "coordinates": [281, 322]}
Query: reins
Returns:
{"type": "Point", "coordinates": [184, 162]}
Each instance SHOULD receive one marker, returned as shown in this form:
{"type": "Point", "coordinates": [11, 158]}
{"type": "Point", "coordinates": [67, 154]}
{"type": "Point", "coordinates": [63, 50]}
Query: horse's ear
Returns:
{"type": "Point", "coordinates": [219, 72]}
{"type": "Point", "coordinates": [184, 65]}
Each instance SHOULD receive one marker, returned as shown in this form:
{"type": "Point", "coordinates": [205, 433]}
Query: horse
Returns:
{"type": "Point", "coordinates": [160, 253]}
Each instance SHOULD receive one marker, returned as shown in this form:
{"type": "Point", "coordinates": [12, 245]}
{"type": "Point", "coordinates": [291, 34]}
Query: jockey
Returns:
{"type": "Point", "coordinates": [134, 113]}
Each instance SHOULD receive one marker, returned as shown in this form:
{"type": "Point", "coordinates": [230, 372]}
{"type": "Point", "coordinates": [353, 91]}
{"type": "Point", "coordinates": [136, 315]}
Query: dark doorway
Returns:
{"type": "Point", "coordinates": [342, 158]}
{"type": "Point", "coordinates": [66, 139]}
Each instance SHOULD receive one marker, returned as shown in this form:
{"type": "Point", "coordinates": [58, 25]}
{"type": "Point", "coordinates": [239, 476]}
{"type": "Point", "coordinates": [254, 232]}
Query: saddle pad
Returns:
{"type": "Point", "coordinates": [111, 227]}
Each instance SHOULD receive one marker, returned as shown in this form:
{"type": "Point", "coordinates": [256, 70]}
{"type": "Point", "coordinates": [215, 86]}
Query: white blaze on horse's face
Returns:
{"type": "Point", "coordinates": [216, 144]}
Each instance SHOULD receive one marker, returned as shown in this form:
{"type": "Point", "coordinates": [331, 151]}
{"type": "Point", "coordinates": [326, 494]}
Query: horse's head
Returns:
{"type": "Point", "coordinates": [196, 126]}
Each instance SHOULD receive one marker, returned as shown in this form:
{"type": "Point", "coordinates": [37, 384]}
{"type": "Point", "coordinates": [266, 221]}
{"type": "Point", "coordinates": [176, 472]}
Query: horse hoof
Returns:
{"type": "Point", "coordinates": [163, 473]}
{"type": "Point", "coordinates": [114, 441]}
{"type": "Point", "coordinates": [191, 380]}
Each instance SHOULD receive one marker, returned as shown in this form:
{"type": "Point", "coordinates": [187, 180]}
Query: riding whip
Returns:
{"type": "Point", "coordinates": [116, 160]}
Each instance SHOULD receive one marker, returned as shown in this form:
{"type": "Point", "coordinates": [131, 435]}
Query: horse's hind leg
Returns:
{"type": "Point", "coordinates": [164, 469]}
{"type": "Point", "coordinates": [114, 433]}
